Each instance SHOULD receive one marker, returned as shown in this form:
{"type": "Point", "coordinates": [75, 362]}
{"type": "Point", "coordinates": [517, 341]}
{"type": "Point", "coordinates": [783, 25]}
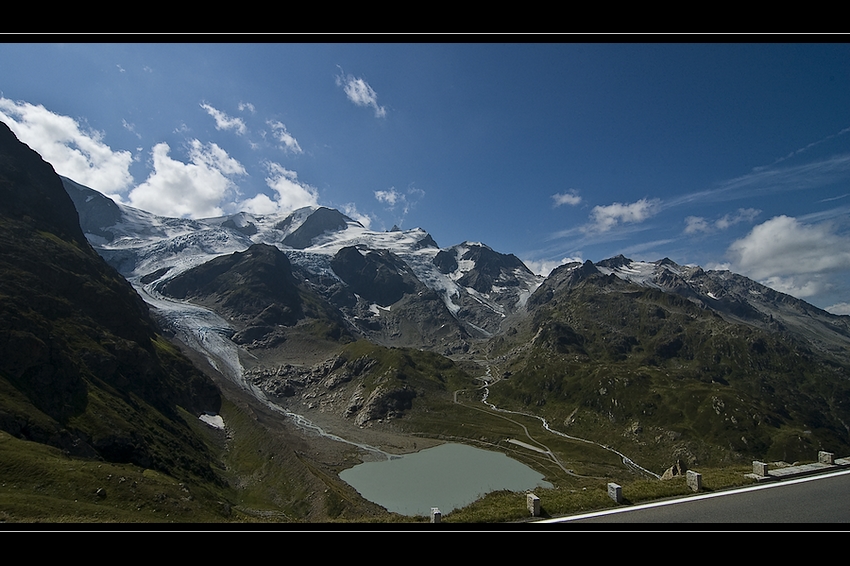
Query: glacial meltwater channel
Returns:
{"type": "Point", "coordinates": [448, 476]}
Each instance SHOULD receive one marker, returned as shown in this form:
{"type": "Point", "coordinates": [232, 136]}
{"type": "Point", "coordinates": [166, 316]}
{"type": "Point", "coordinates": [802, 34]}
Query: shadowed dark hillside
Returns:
{"type": "Point", "coordinates": [82, 367]}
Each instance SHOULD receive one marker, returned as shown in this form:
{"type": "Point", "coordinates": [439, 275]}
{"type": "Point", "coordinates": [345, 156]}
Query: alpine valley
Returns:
{"type": "Point", "coordinates": [310, 344]}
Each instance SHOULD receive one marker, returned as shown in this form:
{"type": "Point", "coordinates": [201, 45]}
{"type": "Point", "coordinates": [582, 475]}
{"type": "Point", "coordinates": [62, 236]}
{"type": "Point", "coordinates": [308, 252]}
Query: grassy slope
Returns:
{"type": "Point", "coordinates": [663, 379]}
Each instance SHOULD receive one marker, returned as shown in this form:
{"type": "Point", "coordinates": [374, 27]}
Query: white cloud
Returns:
{"type": "Point", "coordinates": [223, 121]}
{"type": "Point", "coordinates": [291, 194]}
{"type": "Point", "coordinates": [74, 152]}
{"type": "Point", "coordinates": [839, 308]}
{"type": "Point", "coordinates": [545, 267]}
{"type": "Point", "coordinates": [195, 189]}
{"type": "Point", "coordinates": [571, 198]}
{"type": "Point", "coordinates": [606, 217]}
{"type": "Point", "coordinates": [360, 93]}
{"type": "Point", "coordinates": [790, 256]}
{"type": "Point", "coordinates": [350, 210]}
{"type": "Point", "coordinates": [784, 246]}
{"type": "Point", "coordinates": [260, 204]}
{"type": "Point", "coordinates": [284, 137]}
{"type": "Point", "coordinates": [407, 201]}
{"type": "Point", "coordinates": [130, 128]}
{"type": "Point", "coordinates": [696, 224]}
{"type": "Point", "coordinates": [800, 287]}
{"type": "Point", "coordinates": [243, 106]}
{"type": "Point", "coordinates": [389, 197]}
{"type": "Point", "coordinates": [743, 215]}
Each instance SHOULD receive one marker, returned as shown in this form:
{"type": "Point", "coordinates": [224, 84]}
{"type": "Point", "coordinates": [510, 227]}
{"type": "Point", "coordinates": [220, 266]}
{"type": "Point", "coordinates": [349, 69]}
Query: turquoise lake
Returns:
{"type": "Point", "coordinates": [448, 476]}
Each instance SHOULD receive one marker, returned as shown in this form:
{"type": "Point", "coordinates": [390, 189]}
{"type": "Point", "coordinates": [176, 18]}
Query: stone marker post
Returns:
{"type": "Point", "coordinates": [694, 480]}
{"type": "Point", "coordinates": [533, 503]}
{"type": "Point", "coordinates": [759, 468]}
{"type": "Point", "coordinates": [826, 457]}
{"type": "Point", "coordinates": [615, 492]}
{"type": "Point", "coordinates": [436, 515]}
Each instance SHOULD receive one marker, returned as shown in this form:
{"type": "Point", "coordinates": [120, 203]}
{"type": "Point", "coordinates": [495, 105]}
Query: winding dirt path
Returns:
{"type": "Point", "coordinates": [489, 380]}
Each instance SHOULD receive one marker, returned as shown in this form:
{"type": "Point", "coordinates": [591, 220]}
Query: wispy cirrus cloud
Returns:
{"type": "Point", "coordinates": [225, 122]}
{"type": "Point", "coordinates": [763, 182]}
{"type": "Point", "coordinates": [360, 93]}
{"type": "Point", "coordinates": [696, 224]}
{"type": "Point", "coordinates": [803, 149]}
{"type": "Point", "coordinates": [407, 200]}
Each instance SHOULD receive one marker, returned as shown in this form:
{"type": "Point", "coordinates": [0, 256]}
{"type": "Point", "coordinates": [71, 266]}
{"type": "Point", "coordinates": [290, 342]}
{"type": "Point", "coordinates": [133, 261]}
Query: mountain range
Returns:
{"type": "Point", "coordinates": [400, 289]}
{"type": "Point", "coordinates": [311, 311]}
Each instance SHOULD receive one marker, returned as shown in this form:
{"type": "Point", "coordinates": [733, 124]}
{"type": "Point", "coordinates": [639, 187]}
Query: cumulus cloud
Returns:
{"type": "Point", "coordinates": [839, 308]}
{"type": "Point", "coordinates": [605, 218]}
{"type": "Point", "coordinates": [571, 198]}
{"type": "Point", "coordinates": [291, 193]}
{"type": "Point", "coordinates": [360, 93]}
{"type": "Point", "coordinates": [223, 121]}
{"type": "Point", "coordinates": [350, 210]}
{"type": "Point", "coordinates": [195, 189]}
{"type": "Point", "coordinates": [243, 106]}
{"type": "Point", "coordinates": [695, 224]}
{"type": "Point", "coordinates": [74, 151]}
{"type": "Point", "coordinates": [284, 137]}
{"type": "Point", "coordinates": [545, 267]}
{"type": "Point", "coordinates": [389, 197]}
{"type": "Point", "coordinates": [797, 286]}
{"type": "Point", "coordinates": [791, 256]}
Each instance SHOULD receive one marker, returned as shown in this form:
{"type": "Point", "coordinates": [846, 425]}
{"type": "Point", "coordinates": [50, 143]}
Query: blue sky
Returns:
{"type": "Point", "coordinates": [731, 156]}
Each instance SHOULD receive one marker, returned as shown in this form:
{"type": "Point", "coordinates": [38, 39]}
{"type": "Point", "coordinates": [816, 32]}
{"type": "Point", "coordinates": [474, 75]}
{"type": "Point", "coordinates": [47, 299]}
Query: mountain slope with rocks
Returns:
{"type": "Point", "coordinates": [649, 356]}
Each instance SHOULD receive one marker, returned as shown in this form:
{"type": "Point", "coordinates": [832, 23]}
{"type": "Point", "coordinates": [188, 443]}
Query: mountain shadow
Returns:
{"type": "Point", "coordinates": [82, 366]}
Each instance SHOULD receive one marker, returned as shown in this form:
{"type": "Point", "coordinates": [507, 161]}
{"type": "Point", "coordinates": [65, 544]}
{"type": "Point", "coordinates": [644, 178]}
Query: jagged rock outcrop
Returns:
{"type": "Point", "coordinates": [378, 276]}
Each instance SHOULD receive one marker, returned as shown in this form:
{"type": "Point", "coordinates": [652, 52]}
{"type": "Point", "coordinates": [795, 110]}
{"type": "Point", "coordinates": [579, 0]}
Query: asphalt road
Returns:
{"type": "Point", "coordinates": [824, 498]}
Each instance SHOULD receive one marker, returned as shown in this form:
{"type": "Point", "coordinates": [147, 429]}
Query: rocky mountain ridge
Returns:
{"type": "Point", "coordinates": [371, 276]}
{"type": "Point", "coordinates": [735, 343]}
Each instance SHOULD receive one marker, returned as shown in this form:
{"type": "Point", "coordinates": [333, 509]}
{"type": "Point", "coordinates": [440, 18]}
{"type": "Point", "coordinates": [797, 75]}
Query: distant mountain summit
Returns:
{"type": "Point", "coordinates": [320, 222]}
